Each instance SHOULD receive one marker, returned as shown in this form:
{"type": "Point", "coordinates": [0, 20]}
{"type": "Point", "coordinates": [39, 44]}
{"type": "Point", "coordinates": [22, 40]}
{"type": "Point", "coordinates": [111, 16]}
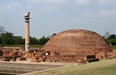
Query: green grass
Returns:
{"type": "Point", "coordinates": [113, 47]}
{"type": "Point", "coordinates": [103, 67]}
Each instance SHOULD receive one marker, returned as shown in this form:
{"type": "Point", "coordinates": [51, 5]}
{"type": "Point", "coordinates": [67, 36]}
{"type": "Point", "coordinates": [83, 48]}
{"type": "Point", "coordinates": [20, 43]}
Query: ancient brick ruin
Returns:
{"type": "Point", "coordinates": [75, 45]}
{"type": "Point", "coordinates": [67, 46]}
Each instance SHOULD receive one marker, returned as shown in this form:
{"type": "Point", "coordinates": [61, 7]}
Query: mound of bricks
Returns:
{"type": "Point", "coordinates": [77, 42]}
{"type": "Point", "coordinates": [101, 55]}
{"type": "Point", "coordinates": [114, 53]}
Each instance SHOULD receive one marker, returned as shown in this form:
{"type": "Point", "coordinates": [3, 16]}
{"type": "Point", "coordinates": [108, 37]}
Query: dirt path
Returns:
{"type": "Point", "coordinates": [25, 66]}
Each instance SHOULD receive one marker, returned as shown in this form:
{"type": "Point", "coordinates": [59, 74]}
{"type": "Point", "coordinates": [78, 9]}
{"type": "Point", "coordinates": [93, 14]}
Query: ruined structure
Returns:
{"type": "Point", "coordinates": [75, 45]}
{"type": "Point", "coordinates": [68, 46]}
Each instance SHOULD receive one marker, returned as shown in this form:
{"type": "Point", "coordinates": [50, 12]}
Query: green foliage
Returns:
{"type": "Point", "coordinates": [18, 40]}
{"type": "Point", "coordinates": [111, 40]}
{"type": "Point", "coordinates": [6, 38]}
{"type": "Point", "coordinates": [9, 39]}
{"type": "Point", "coordinates": [43, 40]}
{"type": "Point", "coordinates": [33, 41]}
{"type": "Point", "coordinates": [112, 36]}
{"type": "Point", "coordinates": [114, 47]}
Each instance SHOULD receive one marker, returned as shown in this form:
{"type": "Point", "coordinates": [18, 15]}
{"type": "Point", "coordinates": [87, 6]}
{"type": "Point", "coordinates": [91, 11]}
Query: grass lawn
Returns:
{"type": "Point", "coordinates": [113, 47]}
{"type": "Point", "coordinates": [103, 67]}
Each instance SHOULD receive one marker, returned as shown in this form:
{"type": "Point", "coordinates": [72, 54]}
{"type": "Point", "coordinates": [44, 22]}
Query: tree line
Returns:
{"type": "Point", "coordinates": [8, 38]}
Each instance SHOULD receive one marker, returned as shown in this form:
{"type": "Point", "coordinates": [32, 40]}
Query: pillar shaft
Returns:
{"type": "Point", "coordinates": [27, 34]}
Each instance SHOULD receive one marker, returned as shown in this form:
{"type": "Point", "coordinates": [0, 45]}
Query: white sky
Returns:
{"type": "Point", "coordinates": [54, 16]}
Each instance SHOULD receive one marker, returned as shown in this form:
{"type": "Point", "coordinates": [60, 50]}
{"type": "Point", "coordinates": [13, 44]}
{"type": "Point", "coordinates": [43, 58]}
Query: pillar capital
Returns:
{"type": "Point", "coordinates": [27, 16]}
{"type": "Point", "coordinates": [27, 21]}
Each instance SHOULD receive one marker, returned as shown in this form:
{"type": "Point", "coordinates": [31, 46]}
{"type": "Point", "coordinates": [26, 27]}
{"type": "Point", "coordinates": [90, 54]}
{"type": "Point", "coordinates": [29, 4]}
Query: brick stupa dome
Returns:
{"type": "Point", "coordinates": [77, 41]}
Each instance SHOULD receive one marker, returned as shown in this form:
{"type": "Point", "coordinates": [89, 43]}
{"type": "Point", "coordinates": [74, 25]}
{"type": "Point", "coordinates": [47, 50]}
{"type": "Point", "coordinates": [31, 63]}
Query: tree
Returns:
{"type": "Point", "coordinates": [111, 40]}
{"type": "Point", "coordinates": [2, 30]}
{"type": "Point", "coordinates": [43, 40]}
{"type": "Point", "coordinates": [107, 34]}
{"type": "Point", "coordinates": [6, 38]}
{"type": "Point", "coordinates": [112, 36]}
{"type": "Point", "coordinates": [17, 40]}
{"type": "Point", "coordinates": [33, 41]}
{"type": "Point", "coordinates": [23, 41]}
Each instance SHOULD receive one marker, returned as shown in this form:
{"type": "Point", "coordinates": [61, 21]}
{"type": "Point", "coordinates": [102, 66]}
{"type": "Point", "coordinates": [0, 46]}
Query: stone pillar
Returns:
{"type": "Point", "coordinates": [27, 32]}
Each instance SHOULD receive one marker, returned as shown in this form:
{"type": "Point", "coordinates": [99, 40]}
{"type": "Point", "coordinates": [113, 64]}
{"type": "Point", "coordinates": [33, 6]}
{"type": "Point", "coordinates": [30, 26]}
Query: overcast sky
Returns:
{"type": "Point", "coordinates": [54, 16]}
